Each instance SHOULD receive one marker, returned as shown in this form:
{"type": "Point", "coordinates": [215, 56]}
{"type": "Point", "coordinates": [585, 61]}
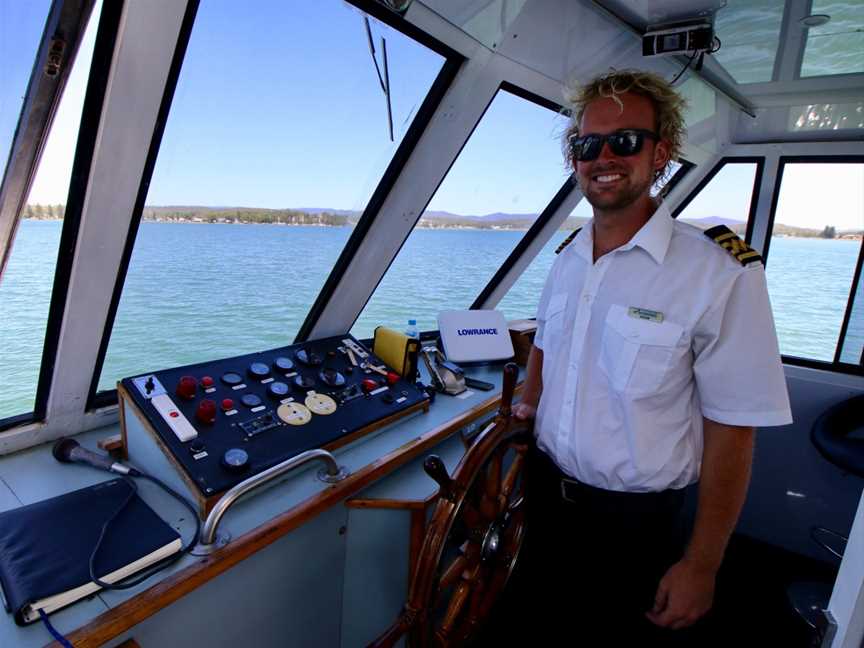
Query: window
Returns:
{"type": "Point", "coordinates": [814, 247]}
{"type": "Point", "coordinates": [837, 47]}
{"type": "Point", "coordinates": [20, 31]}
{"type": "Point", "coordinates": [852, 350]}
{"type": "Point", "coordinates": [750, 31]}
{"type": "Point", "coordinates": [522, 298]}
{"type": "Point", "coordinates": [25, 288]}
{"type": "Point", "coordinates": [508, 171]}
{"type": "Point", "coordinates": [724, 198]}
{"type": "Point", "coordinates": [276, 138]}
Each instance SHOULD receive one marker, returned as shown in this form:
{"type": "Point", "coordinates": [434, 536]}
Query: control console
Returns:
{"type": "Point", "coordinates": [221, 422]}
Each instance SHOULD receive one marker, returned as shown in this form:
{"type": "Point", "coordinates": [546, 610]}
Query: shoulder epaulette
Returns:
{"type": "Point", "coordinates": [567, 241]}
{"type": "Point", "coordinates": [729, 241]}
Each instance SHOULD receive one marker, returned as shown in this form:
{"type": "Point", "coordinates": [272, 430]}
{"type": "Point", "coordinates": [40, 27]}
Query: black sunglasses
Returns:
{"type": "Point", "coordinates": [622, 143]}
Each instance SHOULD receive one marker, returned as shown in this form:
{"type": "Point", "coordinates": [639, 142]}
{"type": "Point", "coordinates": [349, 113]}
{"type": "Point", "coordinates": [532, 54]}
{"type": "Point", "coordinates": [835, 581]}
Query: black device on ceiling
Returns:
{"type": "Point", "coordinates": [689, 38]}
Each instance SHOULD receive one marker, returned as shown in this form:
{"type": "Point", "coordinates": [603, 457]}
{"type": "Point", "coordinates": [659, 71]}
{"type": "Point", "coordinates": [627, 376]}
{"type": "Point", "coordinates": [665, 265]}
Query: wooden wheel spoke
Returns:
{"type": "Point", "coordinates": [492, 486]}
{"type": "Point", "coordinates": [471, 515]}
{"type": "Point", "coordinates": [457, 603]}
{"type": "Point", "coordinates": [493, 474]}
{"type": "Point", "coordinates": [510, 479]}
{"type": "Point", "coordinates": [453, 572]}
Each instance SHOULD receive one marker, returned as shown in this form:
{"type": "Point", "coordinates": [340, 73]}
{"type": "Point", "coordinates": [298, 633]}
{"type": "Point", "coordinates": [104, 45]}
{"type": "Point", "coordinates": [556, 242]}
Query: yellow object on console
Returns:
{"type": "Point", "coordinates": [397, 350]}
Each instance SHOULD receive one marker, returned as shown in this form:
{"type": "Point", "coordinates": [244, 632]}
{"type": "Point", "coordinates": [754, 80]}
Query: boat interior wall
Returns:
{"type": "Point", "coordinates": [783, 504]}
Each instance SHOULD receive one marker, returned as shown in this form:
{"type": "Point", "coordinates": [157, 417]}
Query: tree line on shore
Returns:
{"type": "Point", "coordinates": [251, 215]}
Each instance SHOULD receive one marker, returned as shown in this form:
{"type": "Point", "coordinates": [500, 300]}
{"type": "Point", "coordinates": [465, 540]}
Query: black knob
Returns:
{"type": "Point", "coordinates": [232, 378]}
{"type": "Point", "coordinates": [277, 390]}
{"type": "Point", "coordinates": [258, 370]}
{"type": "Point", "coordinates": [251, 400]}
{"type": "Point", "coordinates": [307, 357]}
{"type": "Point", "coordinates": [283, 364]}
{"type": "Point", "coordinates": [235, 460]}
{"type": "Point", "coordinates": [331, 377]}
{"type": "Point", "coordinates": [303, 382]}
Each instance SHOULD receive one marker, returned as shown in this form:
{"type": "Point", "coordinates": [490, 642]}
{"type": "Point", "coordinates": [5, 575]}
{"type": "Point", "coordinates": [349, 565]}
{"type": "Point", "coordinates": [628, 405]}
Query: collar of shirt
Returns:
{"type": "Point", "coordinates": [653, 237]}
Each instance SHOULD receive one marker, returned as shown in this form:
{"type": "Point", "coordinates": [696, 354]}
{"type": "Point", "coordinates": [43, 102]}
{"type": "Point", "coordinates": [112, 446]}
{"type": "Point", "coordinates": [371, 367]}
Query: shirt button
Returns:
{"type": "Point", "coordinates": [588, 298]}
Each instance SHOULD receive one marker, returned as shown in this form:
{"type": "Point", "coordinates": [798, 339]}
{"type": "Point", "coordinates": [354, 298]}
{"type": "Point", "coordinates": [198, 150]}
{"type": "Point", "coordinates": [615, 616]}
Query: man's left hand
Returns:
{"type": "Point", "coordinates": [684, 595]}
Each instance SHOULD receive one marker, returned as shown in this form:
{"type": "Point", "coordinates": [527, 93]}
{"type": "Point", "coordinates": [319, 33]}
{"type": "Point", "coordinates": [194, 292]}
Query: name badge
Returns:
{"type": "Point", "coordinates": [645, 314]}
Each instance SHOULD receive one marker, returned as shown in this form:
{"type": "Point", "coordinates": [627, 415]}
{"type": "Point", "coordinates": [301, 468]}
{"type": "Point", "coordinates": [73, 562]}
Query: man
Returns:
{"type": "Point", "coordinates": [655, 356]}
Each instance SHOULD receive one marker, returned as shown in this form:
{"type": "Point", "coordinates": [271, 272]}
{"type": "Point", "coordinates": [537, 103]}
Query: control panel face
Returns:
{"type": "Point", "coordinates": [227, 420]}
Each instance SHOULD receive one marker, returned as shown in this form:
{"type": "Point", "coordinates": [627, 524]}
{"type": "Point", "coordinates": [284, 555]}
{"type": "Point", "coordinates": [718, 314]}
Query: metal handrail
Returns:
{"type": "Point", "coordinates": [208, 540]}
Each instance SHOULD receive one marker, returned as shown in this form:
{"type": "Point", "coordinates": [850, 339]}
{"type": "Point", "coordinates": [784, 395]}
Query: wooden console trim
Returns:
{"type": "Point", "coordinates": [133, 611]}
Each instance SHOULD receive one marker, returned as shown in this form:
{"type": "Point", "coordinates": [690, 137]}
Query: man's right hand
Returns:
{"type": "Point", "coordinates": [524, 411]}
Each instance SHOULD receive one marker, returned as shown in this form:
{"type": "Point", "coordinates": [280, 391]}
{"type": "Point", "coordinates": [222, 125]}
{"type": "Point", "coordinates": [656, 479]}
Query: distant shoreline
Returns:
{"type": "Point", "coordinates": [427, 226]}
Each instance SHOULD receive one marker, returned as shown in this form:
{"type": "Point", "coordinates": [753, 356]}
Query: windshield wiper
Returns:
{"type": "Point", "coordinates": [385, 80]}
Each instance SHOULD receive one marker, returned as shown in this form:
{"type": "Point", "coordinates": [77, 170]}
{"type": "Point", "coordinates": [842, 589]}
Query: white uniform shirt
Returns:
{"type": "Point", "coordinates": [623, 397]}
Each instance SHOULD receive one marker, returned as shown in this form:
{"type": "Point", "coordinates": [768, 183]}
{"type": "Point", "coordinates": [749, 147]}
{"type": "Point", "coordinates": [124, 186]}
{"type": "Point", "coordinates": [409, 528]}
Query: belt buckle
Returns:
{"type": "Point", "coordinates": [564, 496]}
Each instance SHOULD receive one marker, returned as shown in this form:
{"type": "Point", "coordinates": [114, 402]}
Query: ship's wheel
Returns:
{"type": "Point", "coordinates": [473, 538]}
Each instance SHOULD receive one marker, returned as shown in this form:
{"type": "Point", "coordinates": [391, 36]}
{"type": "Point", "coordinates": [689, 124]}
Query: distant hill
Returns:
{"type": "Point", "coordinates": [713, 221]}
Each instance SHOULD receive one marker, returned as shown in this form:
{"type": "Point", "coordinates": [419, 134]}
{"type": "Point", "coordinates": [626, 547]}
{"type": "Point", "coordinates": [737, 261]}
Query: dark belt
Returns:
{"type": "Point", "coordinates": [577, 492]}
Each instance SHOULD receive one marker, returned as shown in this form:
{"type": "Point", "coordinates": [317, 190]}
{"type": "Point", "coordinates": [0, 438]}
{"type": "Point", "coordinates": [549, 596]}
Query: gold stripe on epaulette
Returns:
{"type": "Point", "coordinates": [729, 241]}
{"type": "Point", "coordinates": [567, 241]}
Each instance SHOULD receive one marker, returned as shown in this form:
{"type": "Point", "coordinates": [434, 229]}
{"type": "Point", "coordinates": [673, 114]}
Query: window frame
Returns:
{"type": "Point", "coordinates": [834, 365]}
{"type": "Point", "coordinates": [718, 166]}
{"type": "Point", "coordinates": [452, 63]}
{"type": "Point", "coordinates": [69, 17]}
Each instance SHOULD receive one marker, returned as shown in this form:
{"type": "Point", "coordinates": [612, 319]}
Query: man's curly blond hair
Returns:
{"type": "Point", "coordinates": [668, 107]}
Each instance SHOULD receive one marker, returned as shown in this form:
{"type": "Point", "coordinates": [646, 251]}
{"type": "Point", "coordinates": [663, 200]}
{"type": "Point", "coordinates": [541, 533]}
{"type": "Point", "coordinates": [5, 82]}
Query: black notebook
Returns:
{"type": "Point", "coordinates": [45, 547]}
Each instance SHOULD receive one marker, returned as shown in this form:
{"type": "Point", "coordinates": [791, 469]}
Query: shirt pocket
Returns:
{"type": "Point", "coordinates": [635, 354]}
{"type": "Point", "coordinates": [553, 327]}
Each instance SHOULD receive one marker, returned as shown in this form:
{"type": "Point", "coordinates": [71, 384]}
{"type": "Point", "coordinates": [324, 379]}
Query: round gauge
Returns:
{"type": "Point", "coordinates": [294, 414]}
{"type": "Point", "coordinates": [277, 389]}
{"type": "Point", "coordinates": [232, 378]}
{"type": "Point", "coordinates": [332, 377]}
{"type": "Point", "coordinates": [251, 400]}
{"type": "Point", "coordinates": [258, 370]}
{"type": "Point", "coordinates": [304, 382]}
{"type": "Point", "coordinates": [320, 403]}
{"type": "Point", "coordinates": [309, 358]}
{"type": "Point", "coordinates": [235, 460]}
{"type": "Point", "coordinates": [283, 364]}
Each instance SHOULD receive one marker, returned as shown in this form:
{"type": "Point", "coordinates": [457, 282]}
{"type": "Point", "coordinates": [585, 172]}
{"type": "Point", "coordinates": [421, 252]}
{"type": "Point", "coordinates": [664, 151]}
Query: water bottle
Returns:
{"type": "Point", "coordinates": [412, 331]}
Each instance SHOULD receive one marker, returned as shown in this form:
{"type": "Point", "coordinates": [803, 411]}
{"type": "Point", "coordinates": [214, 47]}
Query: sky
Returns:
{"type": "Point", "coordinates": [282, 108]}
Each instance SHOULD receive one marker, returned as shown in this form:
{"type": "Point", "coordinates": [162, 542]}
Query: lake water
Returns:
{"type": "Point", "coordinates": [197, 292]}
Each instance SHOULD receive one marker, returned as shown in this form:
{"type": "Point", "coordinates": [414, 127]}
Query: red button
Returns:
{"type": "Point", "coordinates": [206, 382]}
{"type": "Point", "coordinates": [392, 378]}
{"type": "Point", "coordinates": [206, 412]}
{"type": "Point", "coordinates": [227, 404]}
{"type": "Point", "coordinates": [187, 387]}
{"type": "Point", "coordinates": [173, 413]}
{"type": "Point", "coordinates": [369, 385]}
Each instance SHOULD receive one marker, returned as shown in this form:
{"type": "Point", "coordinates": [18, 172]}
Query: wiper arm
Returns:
{"type": "Point", "coordinates": [385, 80]}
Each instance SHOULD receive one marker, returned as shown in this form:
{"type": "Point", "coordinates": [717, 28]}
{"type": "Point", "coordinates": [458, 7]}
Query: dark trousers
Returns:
{"type": "Point", "coordinates": [591, 563]}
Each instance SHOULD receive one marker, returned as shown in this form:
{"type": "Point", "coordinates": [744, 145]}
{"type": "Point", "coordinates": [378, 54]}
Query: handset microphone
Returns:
{"type": "Point", "coordinates": [70, 451]}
